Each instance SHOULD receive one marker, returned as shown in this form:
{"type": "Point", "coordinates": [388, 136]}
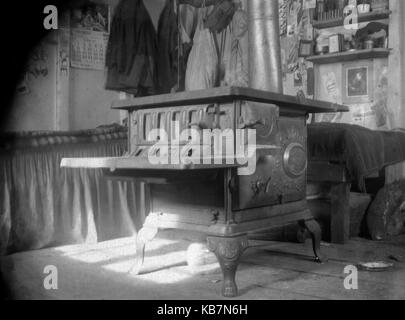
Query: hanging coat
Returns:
{"type": "Point", "coordinates": [202, 66]}
{"type": "Point", "coordinates": [132, 50]}
{"type": "Point", "coordinates": [167, 64]}
{"type": "Point", "coordinates": [236, 68]}
{"type": "Point", "coordinates": [171, 65]}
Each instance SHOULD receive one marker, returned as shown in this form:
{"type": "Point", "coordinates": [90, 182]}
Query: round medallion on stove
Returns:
{"type": "Point", "coordinates": [295, 160]}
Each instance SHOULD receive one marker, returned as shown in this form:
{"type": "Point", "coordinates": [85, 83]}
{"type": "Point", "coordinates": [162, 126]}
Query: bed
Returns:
{"type": "Point", "coordinates": [343, 158]}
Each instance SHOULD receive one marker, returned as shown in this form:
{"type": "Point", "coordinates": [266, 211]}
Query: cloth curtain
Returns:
{"type": "Point", "coordinates": [44, 205]}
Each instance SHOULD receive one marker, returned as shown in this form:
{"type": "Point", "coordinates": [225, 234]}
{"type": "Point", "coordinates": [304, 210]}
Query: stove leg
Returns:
{"type": "Point", "coordinates": [144, 235]}
{"type": "Point", "coordinates": [228, 252]}
{"type": "Point", "coordinates": [316, 235]}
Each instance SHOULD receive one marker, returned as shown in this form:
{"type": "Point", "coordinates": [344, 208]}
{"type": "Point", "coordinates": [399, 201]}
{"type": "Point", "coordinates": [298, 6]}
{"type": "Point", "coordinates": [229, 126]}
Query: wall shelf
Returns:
{"type": "Point", "coordinates": [338, 22]}
{"type": "Point", "coordinates": [349, 56]}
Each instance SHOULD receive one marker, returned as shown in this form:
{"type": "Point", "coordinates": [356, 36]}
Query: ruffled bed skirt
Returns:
{"type": "Point", "coordinates": [43, 205]}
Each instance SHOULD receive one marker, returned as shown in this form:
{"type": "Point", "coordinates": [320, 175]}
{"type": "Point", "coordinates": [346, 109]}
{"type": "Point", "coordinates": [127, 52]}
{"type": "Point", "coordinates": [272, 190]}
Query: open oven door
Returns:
{"type": "Point", "coordinates": [143, 169]}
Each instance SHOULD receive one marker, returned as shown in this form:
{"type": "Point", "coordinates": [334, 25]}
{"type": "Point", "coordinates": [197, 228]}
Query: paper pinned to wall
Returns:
{"type": "Point", "coordinates": [331, 86]}
{"type": "Point", "coordinates": [309, 4]}
{"type": "Point", "coordinates": [88, 49]}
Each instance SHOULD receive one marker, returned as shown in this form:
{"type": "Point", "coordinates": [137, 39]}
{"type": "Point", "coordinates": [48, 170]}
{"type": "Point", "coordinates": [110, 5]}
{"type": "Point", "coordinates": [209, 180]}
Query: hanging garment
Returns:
{"type": "Point", "coordinates": [221, 16]}
{"type": "Point", "coordinates": [234, 57]}
{"type": "Point", "coordinates": [202, 66]}
{"type": "Point", "coordinates": [132, 50]}
{"type": "Point", "coordinates": [168, 45]}
{"type": "Point", "coordinates": [171, 65]}
{"type": "Point", "coordinates": [188, 21]}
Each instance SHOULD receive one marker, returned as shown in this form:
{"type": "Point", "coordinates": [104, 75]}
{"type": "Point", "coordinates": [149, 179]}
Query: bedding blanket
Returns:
{"type": "Point", "coordinates": [362, 150]}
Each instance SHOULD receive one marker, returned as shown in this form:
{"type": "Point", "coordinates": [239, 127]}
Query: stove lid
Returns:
{"type": "Point", "coordinates": [286, 103]}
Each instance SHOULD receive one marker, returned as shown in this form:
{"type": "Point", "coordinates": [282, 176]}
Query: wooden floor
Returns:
{"type": "Point", "coordinates": [267, 271]}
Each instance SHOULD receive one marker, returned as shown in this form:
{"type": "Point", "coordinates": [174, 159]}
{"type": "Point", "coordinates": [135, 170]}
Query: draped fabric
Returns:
{"type": "Point", "coordinates": [172, 63]}
{"type": "Point", "coordinates": [168, 48]}
{"type": "Point", "coordinates": [363, 151]}
{"type": "Point", "coordinates": [236, 70]}
{"type": "Point", "coordinates": [202, 65]}
{"type": "Point", "coordinates": [131, 55]}
{"type": "Point", "coordinates": [43, 205]}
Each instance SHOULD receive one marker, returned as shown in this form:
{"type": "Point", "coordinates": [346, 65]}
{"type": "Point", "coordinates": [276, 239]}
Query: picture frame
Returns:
{"type": "Point", "coordinates": [358, 81]}
{"type": "Point", "coordinates": [306, 48]}
{"type": "Point", "coordinates": [92, 16]}
{"type": "Point", "coordinates": [336, 42]}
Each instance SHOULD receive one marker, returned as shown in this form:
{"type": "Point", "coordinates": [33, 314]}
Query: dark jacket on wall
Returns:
{"type": "Point", "coordinates": [168, 44]}
{"type": "Point", "coordinates": [132, 50]}
{"type": "Point", "coordinates": [171, 63]}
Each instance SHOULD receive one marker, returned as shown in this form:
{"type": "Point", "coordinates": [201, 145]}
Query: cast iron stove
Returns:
{"type": "Point", "coordinates": [216, 197]}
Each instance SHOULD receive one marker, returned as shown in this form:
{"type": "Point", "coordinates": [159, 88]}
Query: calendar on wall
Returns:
{"type": "Point", "coordinates": [88, 49]}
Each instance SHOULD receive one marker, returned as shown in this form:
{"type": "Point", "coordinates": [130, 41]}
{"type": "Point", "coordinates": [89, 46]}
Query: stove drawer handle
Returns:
{"type": "Point", "coordinates": [251, 124]}
{"type": "Point", "coordinates": [200, 124]}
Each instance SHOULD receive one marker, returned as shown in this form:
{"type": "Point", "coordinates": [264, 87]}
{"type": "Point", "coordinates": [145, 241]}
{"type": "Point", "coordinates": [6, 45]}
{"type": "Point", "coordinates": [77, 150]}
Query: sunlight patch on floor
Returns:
{"type": "Point", "coordinates": [161, 261]}
{"type": "Point", "coordinates": [162, 257]}
{"type": "Point", "coordinates": [110, 250]}
{"type": "Point", "coordinates": [165, 277]}
{"type": "Point", "coordinates": [70, 250]}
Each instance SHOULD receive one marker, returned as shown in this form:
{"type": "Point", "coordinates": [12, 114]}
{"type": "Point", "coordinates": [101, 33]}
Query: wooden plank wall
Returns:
{"type": "Point", "coordinates": [396, 87]}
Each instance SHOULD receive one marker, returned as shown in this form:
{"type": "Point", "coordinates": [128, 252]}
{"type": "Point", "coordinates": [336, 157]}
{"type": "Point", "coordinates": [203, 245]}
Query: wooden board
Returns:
{"type": "Point", "coordinates": [362, 17]}
{"type": "Point", "coordinates": [136, 164]}
{"type": "Point", "coordinates": [349, 56]}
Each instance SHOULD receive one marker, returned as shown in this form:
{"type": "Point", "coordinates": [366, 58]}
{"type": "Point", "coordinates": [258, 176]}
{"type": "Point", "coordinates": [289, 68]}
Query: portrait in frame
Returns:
{"type": "Point", "coordinates": [358, 82]}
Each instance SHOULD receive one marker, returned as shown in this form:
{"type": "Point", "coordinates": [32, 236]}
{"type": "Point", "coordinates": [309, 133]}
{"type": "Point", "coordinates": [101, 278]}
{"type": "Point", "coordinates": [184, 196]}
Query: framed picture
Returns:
{"type": "Point", "coordinates": [91, 16]}
{"type": "Point", "coordinates": [358, 82]}
{"type": "Point", "coordinates": [336, 43]}
{"type": "Point", "coordinates": [306, 48]}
